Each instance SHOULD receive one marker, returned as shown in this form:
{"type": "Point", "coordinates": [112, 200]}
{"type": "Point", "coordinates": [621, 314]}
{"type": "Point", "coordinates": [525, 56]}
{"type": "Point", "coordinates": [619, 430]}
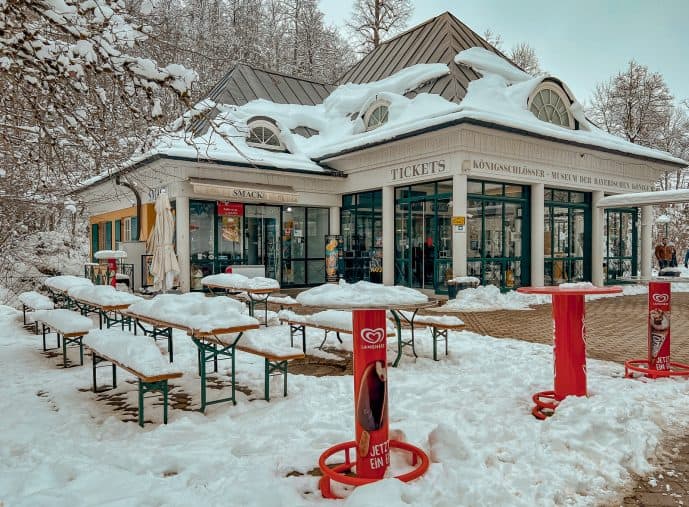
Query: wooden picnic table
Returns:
{"type": "Point", "coordinates": [107, 314]}
{"type": "Point", "coordinates": [399, 315]}
{"type": "Point", "coordinates": [212, 345]}
{"type": "Point", "coordinates": [254, 296]}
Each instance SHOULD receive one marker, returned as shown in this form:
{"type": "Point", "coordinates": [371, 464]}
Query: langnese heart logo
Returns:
{"type": "Point", "coordinates": [661, 298]}
{"type": "Point", "coordinates": [373, 336]}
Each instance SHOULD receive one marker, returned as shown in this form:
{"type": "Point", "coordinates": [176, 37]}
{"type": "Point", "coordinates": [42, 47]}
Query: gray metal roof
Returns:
{"type": "Point", "coordinates": [437, 40]}
{"type": "Point", "coordinates": [244, 83]}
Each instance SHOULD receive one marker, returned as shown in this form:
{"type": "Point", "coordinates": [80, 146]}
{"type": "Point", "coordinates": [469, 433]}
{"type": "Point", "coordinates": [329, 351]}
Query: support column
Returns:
{"type": "Point", "coordinates": [597, 235]}
{"type": "Point", "coordinates": [389, 235]}
{"type": "Point", "coordinates": [459, 239]}
{"type": "Point", "coordinates": [335, 220]}
{"type": "Point", "coordinates": [182, 232]}
{"type": "Point", "coordinates": [537, 232]}
{"type": "Point", "coordinates": [646, 261]}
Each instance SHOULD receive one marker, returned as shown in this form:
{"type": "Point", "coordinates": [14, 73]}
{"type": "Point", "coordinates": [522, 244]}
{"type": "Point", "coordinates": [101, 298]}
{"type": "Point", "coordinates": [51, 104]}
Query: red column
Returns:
{"type": "Point", "coordinates": [569, 345]}
{"type": "Point", "coordinates": [112, 268]}
{"type": "Point", "coordinates": [371, 393]}
{"type": "Point", "coordinates": [659, 301]}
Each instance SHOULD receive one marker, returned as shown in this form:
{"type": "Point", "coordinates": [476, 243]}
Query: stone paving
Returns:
{"type": "Point", "coordinates": [616, 326]}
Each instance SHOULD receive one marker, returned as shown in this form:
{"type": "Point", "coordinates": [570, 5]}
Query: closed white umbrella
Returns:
{"type": "Point", "coordinates": [164, 266]}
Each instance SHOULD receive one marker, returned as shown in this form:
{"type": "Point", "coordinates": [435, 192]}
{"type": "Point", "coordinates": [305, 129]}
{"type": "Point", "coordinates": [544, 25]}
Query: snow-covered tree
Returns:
{"type": "Point", "coordinates": [374, 19]}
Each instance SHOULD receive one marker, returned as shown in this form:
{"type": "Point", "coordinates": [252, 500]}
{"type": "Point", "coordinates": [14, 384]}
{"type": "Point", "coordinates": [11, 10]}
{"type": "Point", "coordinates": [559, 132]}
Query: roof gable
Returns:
{"type": "Point", "coordinates": [437, 40]}
{"type": "Point", "coordinates": [244, 83]}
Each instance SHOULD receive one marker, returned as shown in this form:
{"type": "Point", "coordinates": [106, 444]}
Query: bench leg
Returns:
{"type": "Point", "coordinates": [141, 403]}
{"type": "Point", "coordinates": [281, 368]}
{"type": "Point", "coordinates": [338, 336]}
{"type": "Point", "coordinates": [64, 350]}
{"type": "Point", "coordinates": [96, 361]}
{"type": "Point", "coordinates": [149, 387]}
{"type": "Point", "coordinates": [267, 380]}
{"type": "Point", "coordinates": [170, 346]}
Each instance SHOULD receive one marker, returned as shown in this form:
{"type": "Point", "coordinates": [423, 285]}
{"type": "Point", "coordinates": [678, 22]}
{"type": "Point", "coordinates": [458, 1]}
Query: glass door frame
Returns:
{"type": "Point", "coordinates": [404, 265]}
{"type": "Point", "coordinates": [633, 258]}
{"type": "Point", "coordinates": [525, 259]}
{"type": "Point", "coordinates": [570, 205]}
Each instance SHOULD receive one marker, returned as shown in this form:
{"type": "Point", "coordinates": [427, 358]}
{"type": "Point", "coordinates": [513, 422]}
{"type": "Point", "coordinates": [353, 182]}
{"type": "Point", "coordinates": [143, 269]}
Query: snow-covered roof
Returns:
{"type": "Point", "coordinates": [644, 199]}
{"type": "Point", "coordinates": [498, 99]}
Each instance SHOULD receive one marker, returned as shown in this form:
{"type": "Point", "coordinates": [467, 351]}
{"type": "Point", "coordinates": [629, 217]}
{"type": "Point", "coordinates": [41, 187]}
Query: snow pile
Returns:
{"type": "Point", "coordinates": [270, 343]}
{"type": "Point", "coordinates": [489, 297]}
{"type": "Point", "coordinates": [237, 281]}
{"type": "Point", "coordinates": [486, 62]}
{"type": "Point", "coordinates": [35, 300]}
{"type": "Point", "coordinates": [332, 318]}
{"type": "Point", "coordinates": [429, 320]}
{"type": "Point", "coordinates": [102, 295]}
{"type": "Point", "coordinates": [465, 279]}
{"type": "Point", "coordinates": [494, 454]}
{"type": "Point", "coordinates": [65, 321]}
{"type": "Point", "coordinates": [360, 295]}
{"type": "Point", "coordinates": [110, 254]}
{"type": "Point", "coordinates": [63, 283]}
{"type": "Point", "coordinates": [140, 354]}
{"type": "Point", "coordinates": [195, 311]}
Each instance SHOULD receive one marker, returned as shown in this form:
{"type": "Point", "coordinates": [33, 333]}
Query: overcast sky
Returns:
{"type": "Point", "coordinates": [582, 42]}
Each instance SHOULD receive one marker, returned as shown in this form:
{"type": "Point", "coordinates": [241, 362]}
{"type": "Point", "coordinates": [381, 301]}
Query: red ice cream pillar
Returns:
{"type": "Point", "coordinates": [569, 346]}
{"type": "Point", "coordinates": [370, 393]}
{"type": "Point", "coordinates": [112, 268]}
{"type": "Point", "coordinates": [659, 300]}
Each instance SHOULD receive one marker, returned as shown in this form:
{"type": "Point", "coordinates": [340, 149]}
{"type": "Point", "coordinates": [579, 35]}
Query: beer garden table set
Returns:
{"type": "Point", "coordinates": [257, 289]}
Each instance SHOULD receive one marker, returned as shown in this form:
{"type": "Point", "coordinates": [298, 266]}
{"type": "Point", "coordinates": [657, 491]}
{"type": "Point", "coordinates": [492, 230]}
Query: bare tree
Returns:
{"type": "Point", "coordinates": [635, 104]}
{"type": "Point", "coordinates": [493, 38]}
{"type": "Point", "coordinates": [525, 57]}
{"type": "Point", "coordinates": [373, 19]}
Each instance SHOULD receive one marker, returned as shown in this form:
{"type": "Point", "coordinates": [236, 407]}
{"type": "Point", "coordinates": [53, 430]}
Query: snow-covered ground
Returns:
{"type": "Point", "coordinates": [470, 412]}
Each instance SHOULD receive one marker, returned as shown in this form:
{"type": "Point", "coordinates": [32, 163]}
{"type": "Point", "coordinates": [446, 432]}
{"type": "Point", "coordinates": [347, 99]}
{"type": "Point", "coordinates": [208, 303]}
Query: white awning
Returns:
{"type": "Point", "coordinates": [644, 199]}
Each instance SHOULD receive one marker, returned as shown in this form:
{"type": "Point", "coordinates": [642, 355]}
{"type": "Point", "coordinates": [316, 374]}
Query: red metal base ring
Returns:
{"type": "Point", "coordinates": [541, 406]}
{"type": "Point", "coordinates": [642, 366]}
{"type": "Point", "coordinates": [336, 473]}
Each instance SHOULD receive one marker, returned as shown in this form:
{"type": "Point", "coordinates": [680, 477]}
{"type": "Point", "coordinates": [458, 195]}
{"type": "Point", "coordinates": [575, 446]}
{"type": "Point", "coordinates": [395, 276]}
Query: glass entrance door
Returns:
{"type": "Point", "coordinates": [262, 238]}
{"type": "Point", "coordinates": [423, 236]}
{"type": "Point", "coordinates": [621, 244]}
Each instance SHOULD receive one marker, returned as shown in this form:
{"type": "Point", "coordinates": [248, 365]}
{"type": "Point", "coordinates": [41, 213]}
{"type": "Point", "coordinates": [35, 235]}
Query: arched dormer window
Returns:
{"type": "Point", "coordinates": [550, 103]}
{"type": "Point", "coordinates": [263, 134]}
{"type": "Point", "coordinates": [376, 115]}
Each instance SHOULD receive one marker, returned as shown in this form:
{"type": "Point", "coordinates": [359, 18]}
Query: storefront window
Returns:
{"type": "Point", "coordinates": [230, 238]}
{"type": "Point", "coordinates": [303, 245]}
{"type": "Point", "coordinates": [497, 234]}
{"type": "Point", "coordinates": [567, 226]}
{"type": "Point", "coordinates": [362, 232]}
{"type": "Point", "coordinates": [201, 241]}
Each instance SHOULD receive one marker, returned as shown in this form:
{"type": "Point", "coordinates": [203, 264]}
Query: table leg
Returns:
{"type": "Point", "coordinates": [569, 345]}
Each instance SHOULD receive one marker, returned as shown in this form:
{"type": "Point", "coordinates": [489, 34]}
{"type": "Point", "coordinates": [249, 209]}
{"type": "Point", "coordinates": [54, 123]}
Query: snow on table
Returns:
{"type": "Point", "coordinates": [267, 343]}
{"type": "Point", "coordinates": [103, 295]}
{"type": "Point", "coordinates": [489, 298]}
{"type": "Point", "coordinates": [442, 320]}
{"type": "Point", "coordinates": [465, 279]}
{"type": "Point", "coordinates": [65, 321]}
{"type": "Point", "coordinates": [110, 254]}
{"type": "Point", "coordinates": [136, 352]}
{"type": "Point", "coordinates": [36, 301]}
{"type": "Point", "coordinates": [237, 281]}
{"type": "Point", "coordinates": [63, 283]}
{"type": "Point", "coordinates": [361, 294]}
{"type": "Point", "coordinates": [336, 319]}
{"type": "Point", "coordinates": [195, 311]}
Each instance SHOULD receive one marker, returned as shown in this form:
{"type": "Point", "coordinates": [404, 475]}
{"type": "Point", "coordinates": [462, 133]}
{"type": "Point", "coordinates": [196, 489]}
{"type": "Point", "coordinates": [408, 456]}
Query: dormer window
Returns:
{"type": "Point", "coordinates": [550, 103]}
{"type": "Point", "coordinates": [263, 134]}
{"type": "Point", "coordinates": [376, 115]}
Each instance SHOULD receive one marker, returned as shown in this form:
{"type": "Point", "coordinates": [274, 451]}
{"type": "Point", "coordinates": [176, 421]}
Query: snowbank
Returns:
{"type": "Point", "coordinates": [64, 283]}
{"type": "Point", "coordinates": [361, 294]}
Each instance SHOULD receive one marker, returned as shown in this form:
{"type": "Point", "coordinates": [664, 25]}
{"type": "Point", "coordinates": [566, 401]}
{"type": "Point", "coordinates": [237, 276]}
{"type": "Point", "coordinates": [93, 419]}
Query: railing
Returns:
{"type": "Point", "coordinates": [101, 274]}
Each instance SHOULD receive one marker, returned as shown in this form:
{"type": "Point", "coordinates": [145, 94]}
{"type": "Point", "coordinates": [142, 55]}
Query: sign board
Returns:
{"type": "Point", "coordinates": [659, 300]}
{"type": "Point", "coordinates": [334, 261]}
{"type": "Point", "coordinates": [230, 209]}
{"type": "Point", "coordinates": [459, 223]}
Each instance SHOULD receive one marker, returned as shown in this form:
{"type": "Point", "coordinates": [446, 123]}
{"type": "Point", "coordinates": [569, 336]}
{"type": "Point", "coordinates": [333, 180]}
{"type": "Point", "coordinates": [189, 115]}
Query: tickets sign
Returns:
{"type": "Point", "coordinates": [659, 300]}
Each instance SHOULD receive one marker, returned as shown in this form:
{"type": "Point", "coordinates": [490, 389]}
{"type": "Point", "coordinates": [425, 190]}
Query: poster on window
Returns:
{"type": "Point", "coordinates": [146, 276]}
{"type": "Point", "coordinates": [231, 228]}
{"type": "Point", "coordinates": [334, 262]}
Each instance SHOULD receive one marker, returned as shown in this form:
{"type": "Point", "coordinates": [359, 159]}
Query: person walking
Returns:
{"type": "Point", "coordinates": [663, 253]}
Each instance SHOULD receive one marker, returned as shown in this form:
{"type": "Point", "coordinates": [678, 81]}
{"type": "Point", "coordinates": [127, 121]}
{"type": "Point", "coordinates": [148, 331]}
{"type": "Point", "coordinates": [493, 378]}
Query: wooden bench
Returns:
{"type": "Point", "coordinates": [340, 322]}
{"type": "Point", "coordinates": [440, 327]}
{"type": "Point", "coordinates": [69, 325]}
{"type": "Point", "coordinates": [141, 358]}
{"type": "Point", "coordinates": [275, 355]}
{"type": "Point", "coordinates": [158, 329]}
{"type": "Point", "coordinates": [32, 301]}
